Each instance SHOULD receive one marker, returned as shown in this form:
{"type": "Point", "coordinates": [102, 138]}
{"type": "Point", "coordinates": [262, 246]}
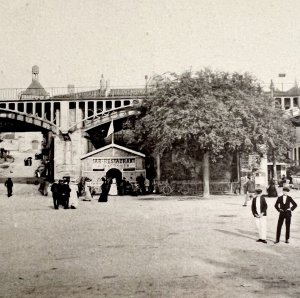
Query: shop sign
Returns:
{"type": "Point", "coordinates": [107, 163]}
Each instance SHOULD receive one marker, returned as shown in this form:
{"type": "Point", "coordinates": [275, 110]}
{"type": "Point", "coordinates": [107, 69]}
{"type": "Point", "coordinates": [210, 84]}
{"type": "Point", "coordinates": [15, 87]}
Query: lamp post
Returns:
{"type": "Point", "coordinates": [146, 84]}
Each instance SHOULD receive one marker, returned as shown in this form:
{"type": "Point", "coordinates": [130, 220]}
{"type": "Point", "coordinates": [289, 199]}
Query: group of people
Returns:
{"type": "Point", "coordinates": [61, 193]}
{"type": "Point", "coordinates": [284, 205]}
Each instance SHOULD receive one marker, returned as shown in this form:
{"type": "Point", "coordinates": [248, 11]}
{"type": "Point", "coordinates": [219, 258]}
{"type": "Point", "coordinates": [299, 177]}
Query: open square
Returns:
{"type": "Point", "coordinates": [145, 246]}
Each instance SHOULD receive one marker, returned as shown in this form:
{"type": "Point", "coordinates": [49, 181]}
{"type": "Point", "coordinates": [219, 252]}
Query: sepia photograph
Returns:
{"type": "Point", "coordinates": [149, 148]}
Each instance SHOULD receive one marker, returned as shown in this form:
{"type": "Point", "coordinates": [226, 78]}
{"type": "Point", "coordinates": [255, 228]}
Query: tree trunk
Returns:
{"type": "Point", "coordinates": [274, 169]}
{"type": "Point", "coordinates": [206, 193]}
{"type": "Point", "coordinates": [158, 172]}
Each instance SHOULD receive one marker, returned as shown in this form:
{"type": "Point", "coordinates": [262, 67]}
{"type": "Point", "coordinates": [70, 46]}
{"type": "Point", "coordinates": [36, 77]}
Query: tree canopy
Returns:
{"type": "Point", "coordinates": [212, 112]}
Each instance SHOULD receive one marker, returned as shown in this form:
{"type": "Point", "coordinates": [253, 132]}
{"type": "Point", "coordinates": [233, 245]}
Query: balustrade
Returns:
{"type": "Point", "coordinates": [57, 93]}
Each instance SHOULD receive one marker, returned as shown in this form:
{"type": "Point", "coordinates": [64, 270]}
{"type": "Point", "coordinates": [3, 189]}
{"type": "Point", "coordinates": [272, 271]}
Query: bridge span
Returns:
{"type": "Point", "coordinates": [66, 118]}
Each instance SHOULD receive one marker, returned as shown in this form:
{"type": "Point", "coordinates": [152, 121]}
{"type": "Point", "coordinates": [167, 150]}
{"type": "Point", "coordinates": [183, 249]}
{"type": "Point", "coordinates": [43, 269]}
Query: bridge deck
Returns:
{"type": "Point", "coordinates": [82, 93]}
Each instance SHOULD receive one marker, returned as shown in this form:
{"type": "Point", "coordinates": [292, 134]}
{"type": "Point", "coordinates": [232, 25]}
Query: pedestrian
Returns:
{"type": "Point", "coordinates": [122, 188]}
{"type": "Point", "coordinates": [128, 188]}
{"type": "Point", "coordinates": [259, 210]}
{"type": "Point", "coordinates": [141, 183]}
{"type": "Point", "coordinates": [272, 191]}
{"type": "Point", "coordinates": [284, 205]}
{"type": "Point", "coordinates": [113, 191]}
{"type": "Point", "coordinates": [249, 188]}
{"type": "Point", "coordinates": [55, 194]}
{"type": "Point", "coordinates": [74, 202]}
{"type": "Point", "coordinates": [87, 189]}
{"type": "Point", "coordinates": [9, 185]}
{"type": "Point", "coordinates": [104, 191]}
{"type": "Point", "coordinates": [64, 193]}
{"type": "Point", "coordinates": [147, 184]}
{"type": "Point", "coordinates": [282, 182]}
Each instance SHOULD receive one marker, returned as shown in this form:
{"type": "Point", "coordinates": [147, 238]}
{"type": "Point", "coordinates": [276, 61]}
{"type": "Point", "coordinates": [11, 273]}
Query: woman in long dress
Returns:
{"type": "Point", "coordinates": [113, 188]}
{"type": "Point", "coordinates": [73, 195]}
{"type": "Point", "coordinates": [104, 191]}
{"type": "Point", "coordinates": [87, 190]}
{"type": "Point", "coordinates": [272, 191]}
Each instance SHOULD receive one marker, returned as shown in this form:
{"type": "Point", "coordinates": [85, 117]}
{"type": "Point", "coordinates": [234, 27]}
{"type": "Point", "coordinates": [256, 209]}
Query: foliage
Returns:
{"type": "Point", "coordinates": [211, 111]}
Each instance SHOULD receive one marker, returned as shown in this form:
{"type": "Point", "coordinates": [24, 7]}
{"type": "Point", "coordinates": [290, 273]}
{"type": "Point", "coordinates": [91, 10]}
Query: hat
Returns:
{"type": "Point", "coordinates": [286, 189]}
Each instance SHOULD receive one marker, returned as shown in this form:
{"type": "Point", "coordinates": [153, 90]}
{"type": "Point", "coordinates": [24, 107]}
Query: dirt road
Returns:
{"type": "Point", "coordinates": [143, 247]}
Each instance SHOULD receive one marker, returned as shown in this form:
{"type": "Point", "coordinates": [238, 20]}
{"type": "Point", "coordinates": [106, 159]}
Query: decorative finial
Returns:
{"type": "Point", "coordinates": [35, 72]}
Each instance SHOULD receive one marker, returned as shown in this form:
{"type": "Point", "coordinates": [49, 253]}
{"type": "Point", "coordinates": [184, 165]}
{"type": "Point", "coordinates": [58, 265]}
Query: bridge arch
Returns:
{"type": "Point", "coordinates": [29, 119]}
{"type": "Point", "coordinates": [104, 117]}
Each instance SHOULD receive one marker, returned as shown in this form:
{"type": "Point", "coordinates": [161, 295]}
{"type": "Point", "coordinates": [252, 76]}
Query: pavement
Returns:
{"type": "Point", "coordinates": [146, 246]}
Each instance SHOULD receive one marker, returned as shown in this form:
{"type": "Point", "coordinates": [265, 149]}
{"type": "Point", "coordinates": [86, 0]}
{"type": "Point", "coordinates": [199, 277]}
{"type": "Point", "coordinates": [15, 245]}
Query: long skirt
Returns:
{"type": "Point", "coordinates": [103, 196]}
{"type": "Point", "coordinates": [113, 190]}
{"type": "Point", "coordinates": [88, 195]}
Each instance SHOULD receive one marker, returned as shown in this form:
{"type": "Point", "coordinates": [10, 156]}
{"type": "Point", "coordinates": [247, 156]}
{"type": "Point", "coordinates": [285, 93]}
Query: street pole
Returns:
{"type": "Point", "coordinates": [146, 86]}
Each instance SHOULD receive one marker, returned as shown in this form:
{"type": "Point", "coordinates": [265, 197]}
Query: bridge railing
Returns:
{"type": "Point", "coordinates": [7, 94]}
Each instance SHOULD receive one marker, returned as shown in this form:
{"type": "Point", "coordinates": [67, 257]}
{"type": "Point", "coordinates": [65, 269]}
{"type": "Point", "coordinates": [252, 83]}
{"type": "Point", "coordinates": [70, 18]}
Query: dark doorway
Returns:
{"type": "Point", "coordinates": [114, 173]}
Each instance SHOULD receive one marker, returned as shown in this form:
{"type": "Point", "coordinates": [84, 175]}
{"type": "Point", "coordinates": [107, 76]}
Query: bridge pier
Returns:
{"type": "Point", "coordinates": [67, 154]}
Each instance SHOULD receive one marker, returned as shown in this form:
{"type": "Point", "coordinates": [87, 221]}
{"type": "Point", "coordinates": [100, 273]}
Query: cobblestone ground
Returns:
{"type": "Point", "coordinates": [143, 247]}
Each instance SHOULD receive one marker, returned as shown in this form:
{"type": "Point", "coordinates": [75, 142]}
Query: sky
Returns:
{"type": "Point", "coordinates": [75, 41]}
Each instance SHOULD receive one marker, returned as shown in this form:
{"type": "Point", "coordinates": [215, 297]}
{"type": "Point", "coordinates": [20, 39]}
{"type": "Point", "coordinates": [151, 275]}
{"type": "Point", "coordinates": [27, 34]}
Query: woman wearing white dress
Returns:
{"type": "Point", "coordinates": [87, 190]}
{"type": "Point", "coordinates": [113, 188]}
{"type": "Point", "coordinates": [73, 195]}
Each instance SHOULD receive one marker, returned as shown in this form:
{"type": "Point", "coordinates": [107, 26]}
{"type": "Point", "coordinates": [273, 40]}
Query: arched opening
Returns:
{"type": "Point", "coordinates": [114, 173]}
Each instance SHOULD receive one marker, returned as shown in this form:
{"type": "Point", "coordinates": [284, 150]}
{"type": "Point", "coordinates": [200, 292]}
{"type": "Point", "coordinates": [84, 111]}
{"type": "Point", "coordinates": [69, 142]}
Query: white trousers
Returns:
{"type": "Point", "coordinates": [261, 224]}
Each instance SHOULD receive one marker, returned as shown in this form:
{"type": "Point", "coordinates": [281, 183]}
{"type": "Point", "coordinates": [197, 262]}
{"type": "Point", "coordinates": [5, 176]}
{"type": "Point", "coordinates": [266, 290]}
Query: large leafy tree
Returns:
{"type": "Point", "coordinates": [208, 113]}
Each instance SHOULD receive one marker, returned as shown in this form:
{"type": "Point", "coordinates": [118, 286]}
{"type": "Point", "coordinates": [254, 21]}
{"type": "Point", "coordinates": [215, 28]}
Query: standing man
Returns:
{"type": "Point", "coordinates": [55, 194]}
{"type": "Point", "coordinates": [283, 206]}
{"type": "Point", "coordinates": [249, 188]}
{"type": "Point", "coordinates": [9, 185]}
{"type": "Point", "coordinates": [259, 210]}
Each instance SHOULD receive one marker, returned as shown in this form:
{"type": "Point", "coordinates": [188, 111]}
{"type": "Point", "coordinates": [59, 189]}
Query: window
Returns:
{"type": "Point", "coordinates": [287, 103]}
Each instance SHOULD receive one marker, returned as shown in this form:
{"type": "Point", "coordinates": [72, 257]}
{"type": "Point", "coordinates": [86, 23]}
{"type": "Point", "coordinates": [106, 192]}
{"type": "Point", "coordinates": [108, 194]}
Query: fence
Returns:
{"type": "Point", "coordinates": [196, 187]}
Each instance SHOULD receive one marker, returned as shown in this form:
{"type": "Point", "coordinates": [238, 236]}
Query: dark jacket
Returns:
{"type": "Point", "coordinates": [289, 201]}
{"type": "Point", "coordinates": [63, 190]}
{"type": "Point", "coordinates": [249, 186]}
{"type": "Point", "coordinates": [263, 206]}
{"type": "Point", "coordinates": [8, 183]}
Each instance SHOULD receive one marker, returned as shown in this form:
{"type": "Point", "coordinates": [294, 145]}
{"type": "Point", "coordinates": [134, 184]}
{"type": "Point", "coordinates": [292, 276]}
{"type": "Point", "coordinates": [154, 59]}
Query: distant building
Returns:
{"type": "Point", "coordinates": [288, 101]}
